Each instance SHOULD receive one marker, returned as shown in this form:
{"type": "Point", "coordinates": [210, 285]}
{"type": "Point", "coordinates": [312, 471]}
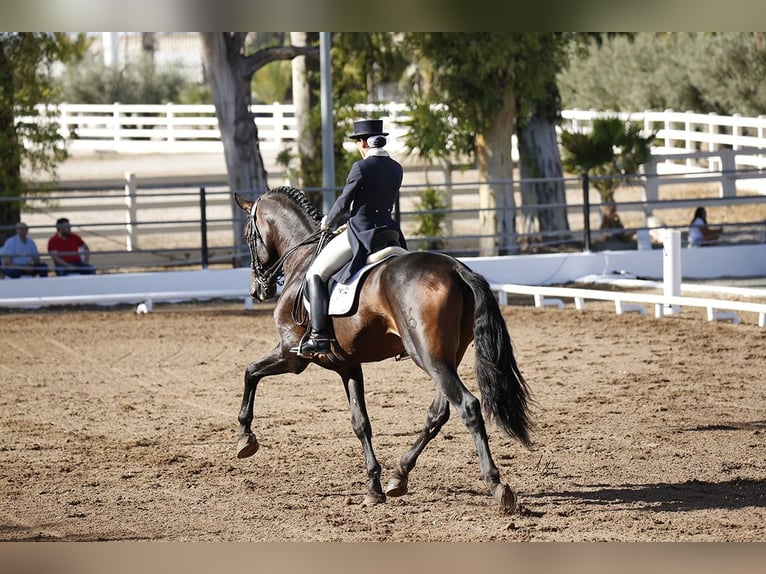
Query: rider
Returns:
{"type": "Point", "coordinates": [371, 190]}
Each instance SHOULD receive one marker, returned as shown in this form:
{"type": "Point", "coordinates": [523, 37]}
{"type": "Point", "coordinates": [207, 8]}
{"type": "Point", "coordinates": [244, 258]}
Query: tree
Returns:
{"type": "Point", "coordinates": [613, 151]}
{"type": "Point", "coordinates": [301, 95]}
{"type": "Point", "coordinates": [230, 66]}
{"type": "Point", "coordinates": [26, 81]}
{"type": "Point", "coordinates": [489, 83]}
{"type": "Point", "coordinates": [361, 62]}
{"type": "Point", "coordinates": [698, 71]}
{"type": "Point", "coordinates": [540, 170]}
{"type": "Point", "coordinates": [138, 82]}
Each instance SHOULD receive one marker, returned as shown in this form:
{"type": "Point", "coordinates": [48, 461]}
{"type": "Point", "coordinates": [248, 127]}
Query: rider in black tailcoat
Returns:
{"type": "Point", "coordinates": [366, 203]}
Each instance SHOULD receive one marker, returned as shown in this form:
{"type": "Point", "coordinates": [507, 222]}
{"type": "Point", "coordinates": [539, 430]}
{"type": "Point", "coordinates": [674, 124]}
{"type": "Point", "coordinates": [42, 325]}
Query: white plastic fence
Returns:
{"type": "Point", "coordinates": [174, 128]}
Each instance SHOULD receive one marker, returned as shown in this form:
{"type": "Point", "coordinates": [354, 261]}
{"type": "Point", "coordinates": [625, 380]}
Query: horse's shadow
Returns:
{"type": "Point", "coordinates": [677, 497]}
{"type": "Point", "coordinates": [671, 497]}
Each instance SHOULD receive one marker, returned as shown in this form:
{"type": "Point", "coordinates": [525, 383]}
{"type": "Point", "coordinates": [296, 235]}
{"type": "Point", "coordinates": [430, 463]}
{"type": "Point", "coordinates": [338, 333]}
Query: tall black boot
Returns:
{"type": "Point", "coordinates": [318, 342]}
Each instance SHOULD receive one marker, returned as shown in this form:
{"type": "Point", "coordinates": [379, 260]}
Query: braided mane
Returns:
{"type": "Point", "coordinates": [297, 196]}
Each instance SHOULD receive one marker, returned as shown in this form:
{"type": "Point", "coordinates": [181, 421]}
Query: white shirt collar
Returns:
{"type": "Point", "coordinates": [378, 151]}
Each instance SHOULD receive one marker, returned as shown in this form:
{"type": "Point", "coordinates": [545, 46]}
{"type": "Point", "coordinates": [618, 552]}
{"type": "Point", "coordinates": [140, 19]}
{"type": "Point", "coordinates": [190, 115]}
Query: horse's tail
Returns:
{"type": "Point", "coordinates": [504, 391]}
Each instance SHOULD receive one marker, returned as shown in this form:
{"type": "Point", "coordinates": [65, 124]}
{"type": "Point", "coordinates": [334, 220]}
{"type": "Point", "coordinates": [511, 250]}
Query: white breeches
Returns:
{"type": "Point", "coordinates": [334, 256]}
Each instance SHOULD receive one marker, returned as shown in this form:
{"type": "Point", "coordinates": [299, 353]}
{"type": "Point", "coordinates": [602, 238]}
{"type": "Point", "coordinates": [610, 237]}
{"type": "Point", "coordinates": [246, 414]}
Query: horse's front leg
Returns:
{"type": "Point", "coordinates": [353, 382]}
{"type": "Point", "coordinates": [273, 363]}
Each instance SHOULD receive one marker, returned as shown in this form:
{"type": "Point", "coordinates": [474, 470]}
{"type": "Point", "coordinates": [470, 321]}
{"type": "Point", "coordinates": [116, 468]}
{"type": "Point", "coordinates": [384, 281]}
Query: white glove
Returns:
{"type": "Point", "coordinates": [323, 226]}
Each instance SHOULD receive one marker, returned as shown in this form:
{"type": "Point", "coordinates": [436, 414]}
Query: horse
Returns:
{"type": "Point", "coordinates": [427, 305]}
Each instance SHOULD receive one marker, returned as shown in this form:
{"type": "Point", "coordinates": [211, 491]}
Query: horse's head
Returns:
{"type": "Point", "coordinates": [278, 222]}
{"type": "Point", "coordinates": [263, 284]}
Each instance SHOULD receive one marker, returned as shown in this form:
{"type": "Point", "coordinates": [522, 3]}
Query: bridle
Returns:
{"type": "Point", "coordinates": [268, 277]}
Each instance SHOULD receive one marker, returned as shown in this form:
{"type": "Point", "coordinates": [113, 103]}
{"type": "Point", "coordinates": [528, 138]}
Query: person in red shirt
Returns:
{"type": "Point", "coordinates": [68, 250]}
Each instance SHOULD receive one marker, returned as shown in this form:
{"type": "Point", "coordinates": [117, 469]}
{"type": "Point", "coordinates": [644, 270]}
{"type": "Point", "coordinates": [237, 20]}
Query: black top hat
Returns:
{"type": "Point", "coordinates": [366, 128]}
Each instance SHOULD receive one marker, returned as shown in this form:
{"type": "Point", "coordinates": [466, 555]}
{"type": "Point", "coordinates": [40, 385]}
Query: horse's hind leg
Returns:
{"type": "Point", "coordinates": [354, 384]}
{"type": "Point", "coordinates": [437, 415]}
{"type": "Point", "coordinates": [469, 409]}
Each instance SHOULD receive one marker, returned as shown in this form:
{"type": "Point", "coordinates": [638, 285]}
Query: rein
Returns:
{"type": "Point", "coordinates": [266, 276]}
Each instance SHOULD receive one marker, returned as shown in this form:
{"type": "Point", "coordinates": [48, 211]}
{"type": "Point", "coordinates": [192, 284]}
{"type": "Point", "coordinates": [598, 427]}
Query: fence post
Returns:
{"type": "Point", "coordinates": [170, 135]}
{"type": "Point", "coordinates": [668, 141]}
{"type": "Point", "coordinates": [64, 122]}
{"type": "Point", "coordinates": [203, 225]}
{"type": "Point", "coordinates": [116, 121]}
{"type": "Point", "coordinates": [651, 186]}
{"type": "Point", "coordinates": [586, 212]}
{"type": "Point", "coordinates": [728, 174]}
{"type": "Point", "coordinates": [131, 239]}
{"type": "Point", "coordinates": [688, 146]}
{"type": "Point", "coordinates": [736, 130]}
{"type": "Point", "coordinates": [671, 267]}
{"type": "Point", "coordinates": [761, 121]}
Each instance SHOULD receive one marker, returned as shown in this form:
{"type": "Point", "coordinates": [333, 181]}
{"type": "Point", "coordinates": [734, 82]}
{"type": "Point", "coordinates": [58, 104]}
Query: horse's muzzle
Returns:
{"type": "Point", "coordinates": [263, 293]}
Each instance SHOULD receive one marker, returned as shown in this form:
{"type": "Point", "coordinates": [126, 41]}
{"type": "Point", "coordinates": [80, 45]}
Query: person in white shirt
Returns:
{"type": "Point", "coordinates": [19, 256]}
{"type": "Point", "coordinates": [699, 232]}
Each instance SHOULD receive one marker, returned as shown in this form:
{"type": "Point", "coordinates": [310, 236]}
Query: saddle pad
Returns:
{"type": "Point", "coordinates": [342, 295]}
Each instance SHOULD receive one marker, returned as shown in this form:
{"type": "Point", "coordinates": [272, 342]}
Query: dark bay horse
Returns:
{"type": "Point", "coordinates": [427, 305]}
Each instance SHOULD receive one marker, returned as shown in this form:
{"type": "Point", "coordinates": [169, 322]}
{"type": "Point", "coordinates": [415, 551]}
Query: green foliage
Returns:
{"type": "Point", "coordinates": [27, 63]}
{"type": "Point", "coordinates": [698, 71]}
{"type": "Point", "coordinates": [311, 167]}
{"type": "Point", "coordinates": [139, 82]}
{"type": "Point", "coordinates": [467, 75]}
{"type": "Point", "coordinates": [272, 83]}
{"type": "Point", "coordinates": [193, 94]}
{"type": "Point", "coordinates": [433, 134]}
{"type": "Point", "coordinates": [727, 77]}
{"type": "Point", "coordinates": [429, 217]}
{"type": "Point", "coordinates": [613, 151]}
{"type": "Point", "coordinates": [363, 60]}
{"type": "Point", "coordinates": [359, 62]}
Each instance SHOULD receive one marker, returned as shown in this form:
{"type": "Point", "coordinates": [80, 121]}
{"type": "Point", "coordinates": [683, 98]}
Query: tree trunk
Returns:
{"type": "Point", "coordinates": [302, 101]}
{"type": "Point", "coordinates": [610, 219]}
{"type": "Point", "coordinates": [540, 159]}
{"type": "Point", "coordinates": [230, 88]}
{"type": "Point", "coordinates": [10, 154]}
{"type": "Point", "coordinates": [495, 163]}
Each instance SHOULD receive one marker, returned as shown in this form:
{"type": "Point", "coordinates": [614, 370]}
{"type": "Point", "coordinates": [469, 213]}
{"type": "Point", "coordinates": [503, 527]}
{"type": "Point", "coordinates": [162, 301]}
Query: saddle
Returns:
{"type": "Point", "coordinates": [343, 295]}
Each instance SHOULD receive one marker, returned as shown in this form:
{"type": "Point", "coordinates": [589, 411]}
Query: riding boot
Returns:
{"type": "Point", "coordinates": [318, 342]}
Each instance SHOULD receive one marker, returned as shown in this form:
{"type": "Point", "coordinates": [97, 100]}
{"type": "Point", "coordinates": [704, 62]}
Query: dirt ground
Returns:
{"type": "Point", "coordinates": [122, 427]}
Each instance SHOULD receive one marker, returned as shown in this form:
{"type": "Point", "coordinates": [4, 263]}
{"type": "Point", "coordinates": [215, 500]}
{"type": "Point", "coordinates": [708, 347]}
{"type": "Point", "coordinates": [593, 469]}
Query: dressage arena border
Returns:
{"type": "Point", "coordinates": [717, 309]}
{"type": "Point", "coordinates": [532, 275]}
{"type": "Point", "coordinates": [624, 301]}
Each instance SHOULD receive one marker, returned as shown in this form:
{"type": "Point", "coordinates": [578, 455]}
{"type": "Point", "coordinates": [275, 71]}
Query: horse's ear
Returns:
{"type": "Point", "coordinates": [244, 204]}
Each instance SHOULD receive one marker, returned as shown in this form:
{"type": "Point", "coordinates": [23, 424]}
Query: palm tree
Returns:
{"type": "Point", "coordinates": [612, 153]}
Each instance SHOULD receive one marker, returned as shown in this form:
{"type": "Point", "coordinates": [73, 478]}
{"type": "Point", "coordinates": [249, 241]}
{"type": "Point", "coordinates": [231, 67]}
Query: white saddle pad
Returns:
{"type": "Point", "coordinates": [342, 295]}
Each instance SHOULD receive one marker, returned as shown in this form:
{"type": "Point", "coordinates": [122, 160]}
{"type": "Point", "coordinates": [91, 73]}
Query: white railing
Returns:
{"type": "Point", "coordinates": [145, 289]}
{"type": "Point", "coordinates": [173, 128]}
{"type": "Point", "coordinates": [168, 128]}
{"type": "Point", "coordinates": [690, 133]}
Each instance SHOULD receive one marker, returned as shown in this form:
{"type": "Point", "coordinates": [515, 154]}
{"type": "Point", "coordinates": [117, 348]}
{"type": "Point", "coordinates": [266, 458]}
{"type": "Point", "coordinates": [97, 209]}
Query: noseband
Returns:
{"type": "Point", "coordinates": [269, 276]}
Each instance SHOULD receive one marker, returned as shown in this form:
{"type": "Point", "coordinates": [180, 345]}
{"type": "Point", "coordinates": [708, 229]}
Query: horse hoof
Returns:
{"type": "Point", "coordinates": [373, 499]}
{"type": "Point", "coordinates": [247, 445]}
{"type": "Point", "coordinates": [505, 497]}
{"type": "Point", "coordinates": [396, 487]}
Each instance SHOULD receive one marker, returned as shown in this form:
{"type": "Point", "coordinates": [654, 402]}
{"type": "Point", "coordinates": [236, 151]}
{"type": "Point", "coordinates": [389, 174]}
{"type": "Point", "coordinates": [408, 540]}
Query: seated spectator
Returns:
{"type": "Point", "coordinates": [69, 252]}
{"type": "Point", "coordinates": [19, 256]}
{"type": "Point", "coordinates": [699, 232]}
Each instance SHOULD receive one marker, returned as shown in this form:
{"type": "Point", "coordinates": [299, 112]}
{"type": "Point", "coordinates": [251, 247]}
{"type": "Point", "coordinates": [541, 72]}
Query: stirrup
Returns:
{"type": "Point", "coordinates": [307, 353]}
